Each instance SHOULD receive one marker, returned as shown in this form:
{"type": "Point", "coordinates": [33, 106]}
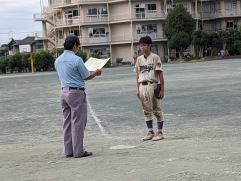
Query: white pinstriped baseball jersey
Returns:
{"type": "Point", "coordinates": [146, 68]}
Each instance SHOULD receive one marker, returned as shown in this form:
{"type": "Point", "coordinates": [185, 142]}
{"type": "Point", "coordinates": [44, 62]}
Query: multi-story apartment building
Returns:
{"type": "Point", "coordinates": [112, 28]}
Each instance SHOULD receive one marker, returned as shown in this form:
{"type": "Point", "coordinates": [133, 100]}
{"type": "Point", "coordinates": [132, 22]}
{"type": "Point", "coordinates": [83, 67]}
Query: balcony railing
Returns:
{"type": "Point", "coordinates": [122, 37]}
{"type": "Point", "coordinates": [93, 1]}
{"type": "Point", "coordinates": [43, 17]}
{"type": "Point", "coordinates": [119, 17]}
{"type": "Point", "coordinates": [60, 42]}
{"type": "Point", "coordinates": [94, 40]}
{"type": "Point", "coordinates": [154, 36]}
{"type": "Point", "coordinates": [73, 2]}
{"type": "Point", "coordinates": [65, 2]}
{"type": "Point", "coordinates": [149, 15]}
{"type": "Point", "coordinates": [69, 21]}
{"type": "Point", "coordinates": [219, 14]}
{"type": "Point", "coordinates": [95, 19]}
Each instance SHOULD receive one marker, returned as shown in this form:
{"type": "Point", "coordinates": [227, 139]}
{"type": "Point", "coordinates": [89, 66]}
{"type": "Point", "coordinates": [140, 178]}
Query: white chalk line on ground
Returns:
{"type": "Point", "coordinates": [97, 120]}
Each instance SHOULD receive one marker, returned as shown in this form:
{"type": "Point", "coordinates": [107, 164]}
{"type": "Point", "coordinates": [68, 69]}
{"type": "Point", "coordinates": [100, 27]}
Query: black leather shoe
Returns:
{"type": "Point", "coordinates": [86, 153]}
{"type": "Point", "coordinates": [68, 156]}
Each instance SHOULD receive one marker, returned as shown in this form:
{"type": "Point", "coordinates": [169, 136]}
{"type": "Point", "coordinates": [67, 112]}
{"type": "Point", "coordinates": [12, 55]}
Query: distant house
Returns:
{"type": "Point", "coordinates": [26, 45]}
{"type": "Point", "coordinates": [13, 47]}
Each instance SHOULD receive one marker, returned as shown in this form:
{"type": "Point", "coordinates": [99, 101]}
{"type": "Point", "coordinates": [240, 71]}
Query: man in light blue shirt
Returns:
{"type": "Point", "coordinates": [72, 75]}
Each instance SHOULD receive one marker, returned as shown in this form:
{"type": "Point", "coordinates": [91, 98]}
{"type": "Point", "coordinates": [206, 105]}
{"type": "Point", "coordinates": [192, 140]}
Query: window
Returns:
{"type": "Point", "coordinates": [163, 7]}
{"type": "Point", "coordinates": [103, 52]}
{"type": "Point", "coordinates": [97, 12]}
{"type": "Point", "coordinates": [39, 45]}
{"type": "Point", "coordinates": [74, 32]}
{"type": "Point", "coordinates": [103, 12]}
{"type": "Point", "coordinates": [75, 13]}
{"type": "Point", "coordinates": [72, 13]}
{"type": "Point", "coordinates": [146, 29]}
{"type": "Point", "coordinates": [61, 34]}
{"type": "Point", "coordinates": [97, 32]}
{"type": "Point", "coordinates": [140, 11]}
{"type": "Point", "coordinates": [67, 1]}
{"type": "Point", "coordinates": [230, 5]}
{"type": "Point", "coordinates": [206, 7]}
{"type": "Point", "coordinates": [231, 25]}
{"type": "Point", "coordinates": [92, 12]}
{"type": "Point", "coordinates": [140, 8]}
{"type": "Point", "coordinates": [151, 7]}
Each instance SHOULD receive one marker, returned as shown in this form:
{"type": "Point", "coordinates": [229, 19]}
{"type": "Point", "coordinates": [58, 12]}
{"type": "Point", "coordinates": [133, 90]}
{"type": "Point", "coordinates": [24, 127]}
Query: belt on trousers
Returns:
{"type": "Point", "coordinates": [146, 82]}
{"type": "Point", "coordinates": [74, 88]}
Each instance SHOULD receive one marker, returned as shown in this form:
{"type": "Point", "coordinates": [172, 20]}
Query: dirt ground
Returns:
{"type": "Point", "coordinates": [202, 127]}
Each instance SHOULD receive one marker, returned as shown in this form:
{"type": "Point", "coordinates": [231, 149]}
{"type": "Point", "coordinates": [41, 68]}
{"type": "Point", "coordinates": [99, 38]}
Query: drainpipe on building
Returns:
{"type": "Point", "coordinates": [196, 12]}
{"type": "Point", "coordinates": [111, 55]}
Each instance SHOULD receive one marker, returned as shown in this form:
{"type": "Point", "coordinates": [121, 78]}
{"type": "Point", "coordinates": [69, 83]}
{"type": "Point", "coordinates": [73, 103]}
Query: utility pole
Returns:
{"type": "Point", "coordinates": [31, 60]}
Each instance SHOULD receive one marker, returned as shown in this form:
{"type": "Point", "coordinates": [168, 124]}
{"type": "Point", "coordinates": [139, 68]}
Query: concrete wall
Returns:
{"type": "Point", "coordinates": [120, 32]}
{"type": "Point", "coordinates": [121, 51]}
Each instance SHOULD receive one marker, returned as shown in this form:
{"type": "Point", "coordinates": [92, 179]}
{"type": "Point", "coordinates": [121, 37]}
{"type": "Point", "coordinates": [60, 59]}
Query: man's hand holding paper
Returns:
{"type": "Point", "coordinates": [92, 64]}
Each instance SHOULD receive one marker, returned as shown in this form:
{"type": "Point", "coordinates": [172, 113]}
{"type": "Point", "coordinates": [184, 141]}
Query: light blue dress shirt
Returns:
{"type": "Point", "coordinates": [71, 70]}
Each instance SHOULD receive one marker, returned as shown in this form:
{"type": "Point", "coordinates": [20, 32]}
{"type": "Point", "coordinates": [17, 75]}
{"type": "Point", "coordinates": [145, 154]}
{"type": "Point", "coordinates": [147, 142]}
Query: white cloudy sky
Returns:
{"type": "Point", "coordinates": [16, 18]}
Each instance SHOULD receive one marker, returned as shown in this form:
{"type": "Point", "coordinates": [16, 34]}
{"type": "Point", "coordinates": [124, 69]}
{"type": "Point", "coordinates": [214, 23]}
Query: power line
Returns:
{"type": "Point", "coordinates": [12, 32]}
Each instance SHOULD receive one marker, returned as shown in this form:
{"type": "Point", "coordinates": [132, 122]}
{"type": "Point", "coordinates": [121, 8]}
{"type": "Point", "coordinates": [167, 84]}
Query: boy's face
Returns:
{"type": "Point", "coordinates": [145, 48]}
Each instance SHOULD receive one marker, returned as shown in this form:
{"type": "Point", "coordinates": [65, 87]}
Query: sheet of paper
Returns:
{"type": "Point", "coordinates": [95, 63]}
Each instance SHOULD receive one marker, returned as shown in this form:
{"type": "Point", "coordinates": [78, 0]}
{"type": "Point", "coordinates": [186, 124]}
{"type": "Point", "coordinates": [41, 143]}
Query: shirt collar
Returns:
{"type": "Point", "coordinates": [68, 51]}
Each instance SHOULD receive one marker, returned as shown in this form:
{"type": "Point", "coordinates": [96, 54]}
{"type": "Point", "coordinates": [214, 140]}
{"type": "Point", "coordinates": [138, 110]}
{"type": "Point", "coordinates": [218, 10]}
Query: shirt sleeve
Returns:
{"type": "Point", "coordinates": [84, 72]}
{"type": "Point", "coordinates": [158, 64]}
{"type": "Point", "coordinates": [137, 65]}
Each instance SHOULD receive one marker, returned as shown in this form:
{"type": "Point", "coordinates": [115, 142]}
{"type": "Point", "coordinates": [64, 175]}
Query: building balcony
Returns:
{"type": "Point", "coordinates": [96, 40]}
{"type": "Point", "coordinates": [149, 15]}
{"type": "Point", "coordinates": [43, 17]}
{"type": "Point", "coordinates": [92, 1]}
{"type": "Point", "coordinates": [219, 14]}
{"type": "Point", "coordinates": [121, 38]}
{"type": "Point", "coordinates": [95, 19]}
{"type": "Point", "coordinates": [60, 43]}
{"type": "Point", "coordinates": [154, 36]}
{"type": "Point", "coordinates": [68, 22]}
{"type": "Point", "coordinates": [65, 3]}
{"type": "Point", "coordinates": [115, 18]}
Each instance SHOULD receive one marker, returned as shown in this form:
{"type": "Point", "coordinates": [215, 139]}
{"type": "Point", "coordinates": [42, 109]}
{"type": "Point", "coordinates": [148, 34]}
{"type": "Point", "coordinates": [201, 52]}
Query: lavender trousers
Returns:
{"type": "Point", "coordinates": [74, 106]}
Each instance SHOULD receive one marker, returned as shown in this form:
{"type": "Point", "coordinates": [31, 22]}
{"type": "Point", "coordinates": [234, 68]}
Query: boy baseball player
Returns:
{"type": "Point", "coordinates": [149, 74]}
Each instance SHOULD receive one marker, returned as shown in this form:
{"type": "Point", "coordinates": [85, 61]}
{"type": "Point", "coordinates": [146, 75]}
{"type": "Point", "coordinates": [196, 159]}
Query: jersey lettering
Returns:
{"type": "Point", "coordinates": [146, 68]}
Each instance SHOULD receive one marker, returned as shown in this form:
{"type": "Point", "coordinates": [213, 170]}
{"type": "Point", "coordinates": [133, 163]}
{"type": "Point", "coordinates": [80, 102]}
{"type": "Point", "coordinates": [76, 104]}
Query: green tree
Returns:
{"type": "Point", "coordinates": [26, 60]}
{"type": "Point", "coordinates": [234, 48]}
{"type": "Point", "coordinates": [200, 41]}
{"type": "Point", "coordinates": [179, 23]}
{"type": "Point", "coordinates": [82, 54]}
{"type": "Point", "coordinates": [179, 41]}
{"type": "Point", "coordinates": [3, 65]}
{"type": "Point", "coordinates": [43, 61]}
{"type": "Point", "coordinates": [95, 55]}
{"type": "Point", "coordinates": [224, 36]}
{"type": "Point", "coordinates": [215, 42]}
{"type": "Point", "coordinates": [15, 62]}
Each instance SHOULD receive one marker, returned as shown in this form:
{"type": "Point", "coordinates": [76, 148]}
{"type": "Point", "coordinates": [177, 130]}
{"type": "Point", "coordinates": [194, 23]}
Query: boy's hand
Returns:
{"type": "Point", "coordinates": [161, 95]}
{"type": "Point", "coordinates": [138, 94]}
